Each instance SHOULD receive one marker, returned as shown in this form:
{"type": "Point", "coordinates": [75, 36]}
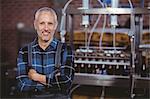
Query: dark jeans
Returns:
{"type": "Point", "coordinates": [44, 95]}
{"type": "Point", "coordinates": [50, 96]}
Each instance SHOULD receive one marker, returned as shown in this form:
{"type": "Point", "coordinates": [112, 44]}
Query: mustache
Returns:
{"type": "Point", "coordinates": [46, 31]}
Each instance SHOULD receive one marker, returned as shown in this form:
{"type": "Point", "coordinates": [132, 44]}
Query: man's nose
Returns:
{"type": "Point", "coordinates": [46, 27]}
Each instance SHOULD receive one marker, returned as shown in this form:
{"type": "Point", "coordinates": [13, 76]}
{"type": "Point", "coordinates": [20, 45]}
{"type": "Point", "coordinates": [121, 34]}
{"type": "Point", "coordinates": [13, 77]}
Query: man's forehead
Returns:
{"type": "Point", "coordinates": [44, 14]}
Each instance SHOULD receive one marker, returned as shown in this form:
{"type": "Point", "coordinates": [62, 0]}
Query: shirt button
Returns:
{"type": "Point", "coordinates": [35, 90]}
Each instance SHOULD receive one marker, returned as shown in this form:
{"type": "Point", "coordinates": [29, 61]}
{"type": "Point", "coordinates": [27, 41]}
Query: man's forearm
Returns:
{"type": "Point", "coordinates": [36, 76]}
{"type": "Point", "coordinates": [41, 78]}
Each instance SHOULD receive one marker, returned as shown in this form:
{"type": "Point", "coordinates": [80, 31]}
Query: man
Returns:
{"type": "Point", "coordinates": [43, 79]}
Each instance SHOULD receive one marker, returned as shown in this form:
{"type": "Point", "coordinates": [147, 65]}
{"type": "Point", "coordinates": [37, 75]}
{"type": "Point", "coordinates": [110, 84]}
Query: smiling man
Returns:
{"type": "Point", "coordinates": [45, 66]}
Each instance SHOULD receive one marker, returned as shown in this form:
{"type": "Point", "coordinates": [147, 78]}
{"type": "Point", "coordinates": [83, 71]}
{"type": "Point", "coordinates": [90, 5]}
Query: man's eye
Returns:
{"type": "Point", "coordinates": [42, 23]}
{"type": "Point", "coordinates": [50, 23]}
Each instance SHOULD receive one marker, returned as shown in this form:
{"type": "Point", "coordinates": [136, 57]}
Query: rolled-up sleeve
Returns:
{"type": "Point", "coordinates": [24, 83]}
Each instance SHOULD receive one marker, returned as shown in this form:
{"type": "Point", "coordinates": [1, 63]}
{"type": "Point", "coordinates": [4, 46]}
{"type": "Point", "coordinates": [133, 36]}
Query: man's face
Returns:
{"type": "Point", "coordinates": [45, 25]}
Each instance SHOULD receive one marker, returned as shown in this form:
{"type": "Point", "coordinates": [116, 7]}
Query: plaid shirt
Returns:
{"type": "Point", "coordinates": [43, 61]}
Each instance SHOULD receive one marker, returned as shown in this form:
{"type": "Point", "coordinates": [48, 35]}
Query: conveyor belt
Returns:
{"type": "Point", "coordinates": [110, 80]}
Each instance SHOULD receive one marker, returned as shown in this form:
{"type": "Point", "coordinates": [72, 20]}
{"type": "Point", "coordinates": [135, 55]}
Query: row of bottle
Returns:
{"type": "Point", "coordinates": [112, 60]}
{"type": "Point", "coordinates": [101, 69]}
{"type": "Point", "coordinates": [100, 53]}
{"type": "Point", "coordinates": [107, 69]}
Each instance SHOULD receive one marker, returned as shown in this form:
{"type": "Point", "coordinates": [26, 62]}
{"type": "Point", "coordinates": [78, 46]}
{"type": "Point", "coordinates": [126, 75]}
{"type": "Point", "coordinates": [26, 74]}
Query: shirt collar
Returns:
{"type": "Point", "coordinates": [52, 44]}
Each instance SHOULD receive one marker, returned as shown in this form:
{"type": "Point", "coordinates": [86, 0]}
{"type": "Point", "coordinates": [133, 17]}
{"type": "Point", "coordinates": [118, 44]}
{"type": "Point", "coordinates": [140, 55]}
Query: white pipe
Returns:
{"type": "Point", "coordinates": [85, 18]}
{"type": "Point", "coordinates": [114, 4]}
{"type": "Point", "coordinates": [96, 23]}
{"type": "Point", "coordinates": [63, 22]}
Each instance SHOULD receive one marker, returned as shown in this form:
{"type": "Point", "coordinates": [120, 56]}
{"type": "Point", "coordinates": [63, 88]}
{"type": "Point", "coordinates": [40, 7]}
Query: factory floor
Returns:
{"type": "Point", "coordinates": [88, 92]}
{"type": "Point", "coordinates": [96, 92]}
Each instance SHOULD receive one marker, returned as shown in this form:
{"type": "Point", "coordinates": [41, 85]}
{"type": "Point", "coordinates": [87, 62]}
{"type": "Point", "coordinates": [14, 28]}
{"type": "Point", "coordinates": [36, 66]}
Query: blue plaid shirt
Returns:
{"type": "Point", "coordinates": [43, 61]}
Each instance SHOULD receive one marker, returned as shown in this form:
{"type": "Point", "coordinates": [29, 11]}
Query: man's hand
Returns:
{"type": "Point", "coordinates": [58, 74]}
{"type": "Point", "coordinates": [32, 74]}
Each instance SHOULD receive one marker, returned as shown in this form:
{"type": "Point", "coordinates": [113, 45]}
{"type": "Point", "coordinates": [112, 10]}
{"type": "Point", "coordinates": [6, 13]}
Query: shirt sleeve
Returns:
{"type": "Point", "coordinates": [24, 83]}
{"type": "Point", "coordinates": [66, 71]}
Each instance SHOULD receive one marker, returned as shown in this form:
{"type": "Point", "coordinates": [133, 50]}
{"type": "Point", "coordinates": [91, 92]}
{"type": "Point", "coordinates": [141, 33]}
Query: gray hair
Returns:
{"type": "Point", "coordinates": [45, 9]}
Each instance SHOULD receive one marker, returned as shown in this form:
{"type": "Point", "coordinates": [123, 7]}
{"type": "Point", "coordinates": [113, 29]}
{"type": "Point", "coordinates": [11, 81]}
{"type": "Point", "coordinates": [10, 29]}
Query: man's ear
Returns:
{"type": "Point", "coordinates": [56, 25]}
{"type": "Point", "coordinates": [35, 25]}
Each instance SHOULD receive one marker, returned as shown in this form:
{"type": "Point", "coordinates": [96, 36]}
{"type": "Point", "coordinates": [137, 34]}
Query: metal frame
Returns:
{"type": "Point", "coordinates": [109, 11]}
{"type": "Point", "coordinates": [135, 38]}
{"type": "Point", "coordinates": [109, 80]}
